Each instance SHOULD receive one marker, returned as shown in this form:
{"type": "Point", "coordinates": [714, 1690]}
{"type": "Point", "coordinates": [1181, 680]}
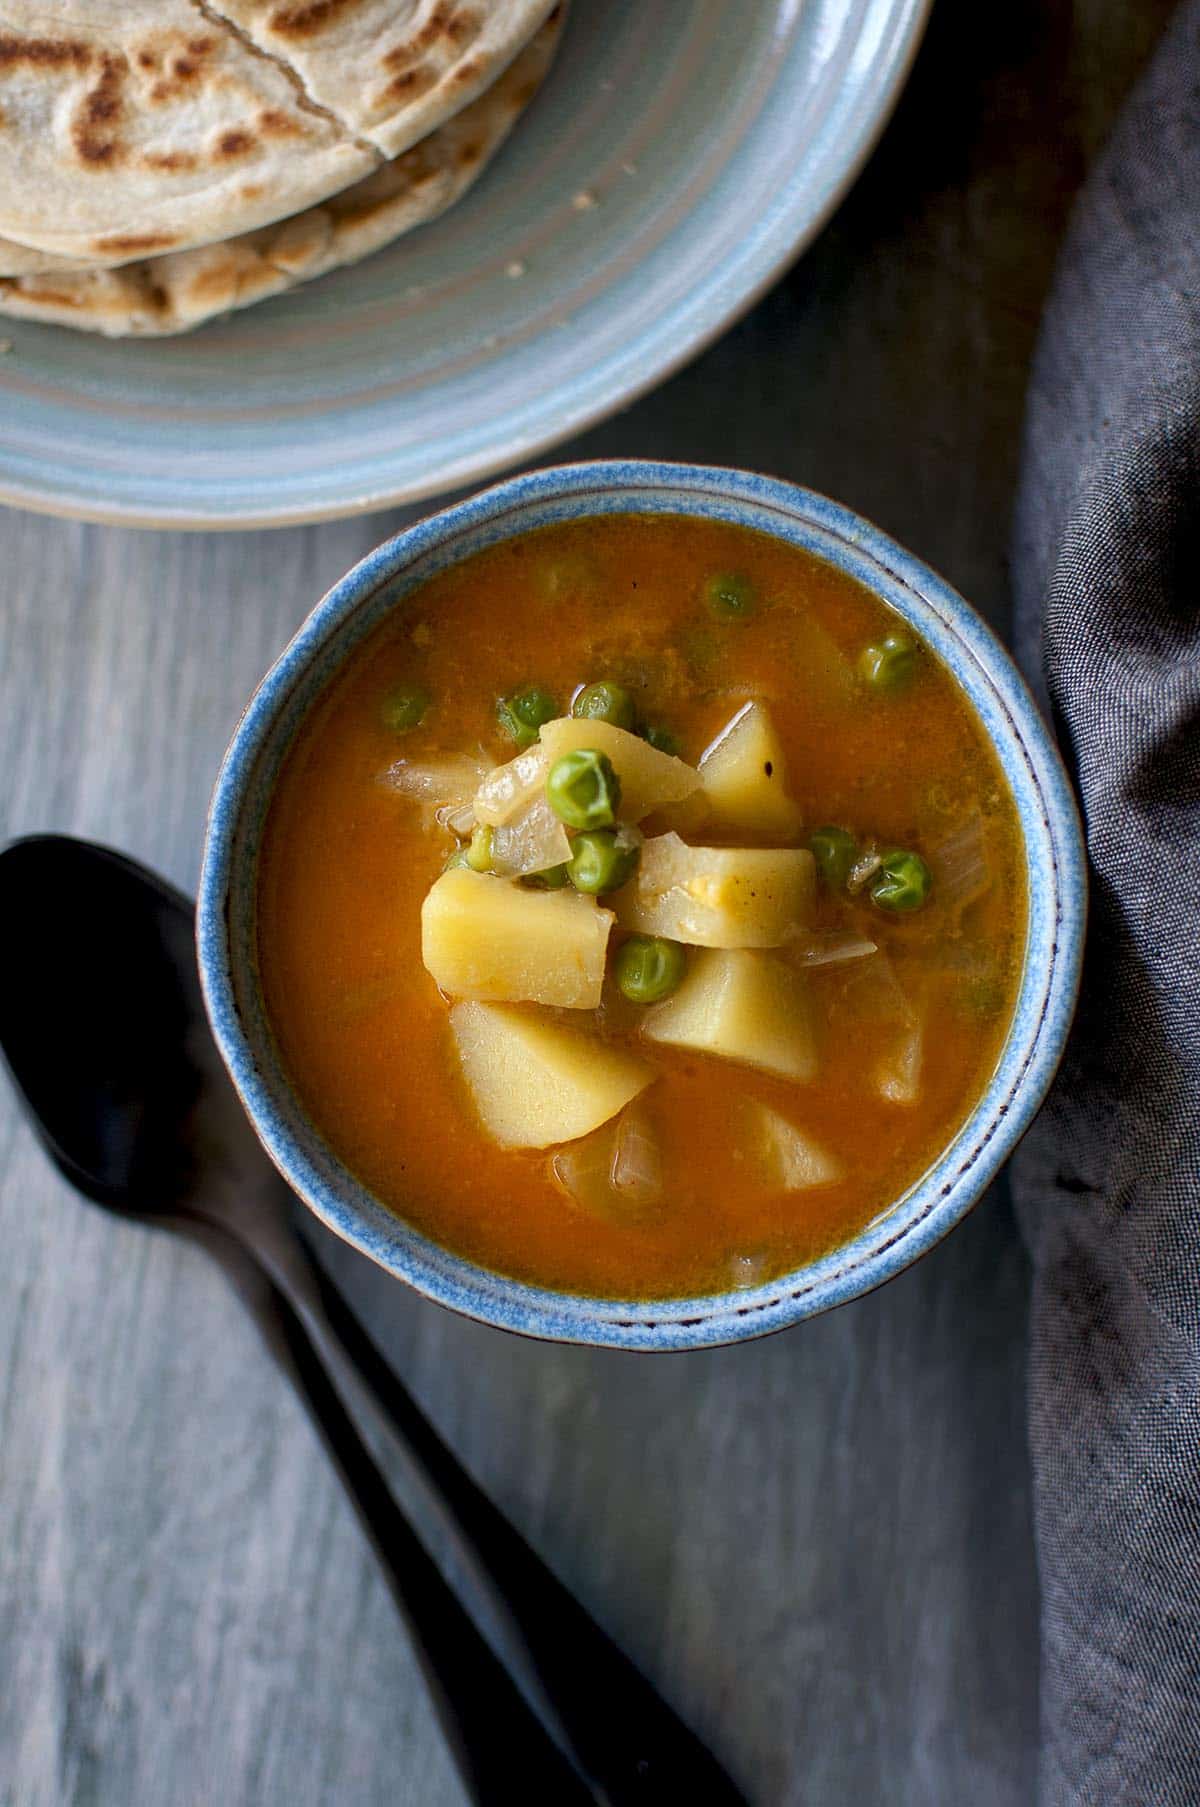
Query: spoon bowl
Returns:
{"type": "Point", "coordinates": [99, 1017]}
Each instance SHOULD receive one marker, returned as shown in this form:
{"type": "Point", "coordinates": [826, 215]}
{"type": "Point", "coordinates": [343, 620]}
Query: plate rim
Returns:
{"type": "Point", "coordinates": [519, 456]}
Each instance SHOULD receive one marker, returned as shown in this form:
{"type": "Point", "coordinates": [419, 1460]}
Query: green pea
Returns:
{"type": "Point", "coordinates": [601, 861]}
{"type": "Point", "coordinates": [522, 714]}
{"type": "Point", "coordinates": [605, 702]}
{"type": "Point", "coordinates": [889, 665]}
{"type": "Point", "coordinates": [583, 790]}
{"type": "Point", "coordinates": [834, 850]}
{"type": "Point", "coordinates": [730, 596]}
{"type": "Point", "coordinates": [551, 879]}
{"type": "Point", "coordinates": [460, 857]}
{"type": "Point", "coordinates": [572, 574]}
{"type": "Point", "coordinates": [404, 707]}
{"type": "Point", "coordinates": [661, 739]}
{"type": "Point", "coordinates": [648, 968]}
{"type": "Point", "coordinates": [703, 647]}
{"type": "Point", "coordinates": [479, 851]}
{"type": "Point", "coordinates": [902, 882]}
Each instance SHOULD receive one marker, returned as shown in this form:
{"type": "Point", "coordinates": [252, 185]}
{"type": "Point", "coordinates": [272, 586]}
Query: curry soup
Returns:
{"type": "Point", "coordinates": [672, 993]}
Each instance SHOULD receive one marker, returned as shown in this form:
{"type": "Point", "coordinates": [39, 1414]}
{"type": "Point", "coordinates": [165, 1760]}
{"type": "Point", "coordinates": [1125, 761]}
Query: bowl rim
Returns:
{"type": "Point", "coordinates": [1050, 823]}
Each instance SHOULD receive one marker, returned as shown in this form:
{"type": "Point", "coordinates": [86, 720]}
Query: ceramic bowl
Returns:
{"type": "Point", "coordinates": [1054, 861]}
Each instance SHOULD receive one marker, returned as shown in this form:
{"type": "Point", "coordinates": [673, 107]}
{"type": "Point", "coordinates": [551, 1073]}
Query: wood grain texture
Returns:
{"type": "Point", "coordinates": [817, 1545]}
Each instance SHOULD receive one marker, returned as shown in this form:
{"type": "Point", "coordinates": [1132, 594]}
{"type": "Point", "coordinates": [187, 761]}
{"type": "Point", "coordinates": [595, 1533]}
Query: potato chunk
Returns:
{"type": "Point", "coordinates": [718, 896]}
{"type": "Point", "coordinates": [743, 1006]}
{"type": "Point", "coordinates": [790, 1158]}
{"type": "Point", "coordinates": [535, 1081]}
{"type": "Point", "coordinates": [649, 779]}
{"type": "Point", "coordinates": [485, 937]}
{"type": "Point", "coordinates": [746, 778]}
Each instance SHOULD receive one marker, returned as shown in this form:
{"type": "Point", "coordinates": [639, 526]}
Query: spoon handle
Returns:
{"type": "Point", "coordinates": [624, 1735]}
{"type": "Point", "coordinates": [502, 1750]}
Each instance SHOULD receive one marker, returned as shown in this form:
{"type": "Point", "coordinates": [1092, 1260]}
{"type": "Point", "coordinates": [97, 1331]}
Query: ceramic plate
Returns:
{"type": "Point", "coordinates": [680, 154]}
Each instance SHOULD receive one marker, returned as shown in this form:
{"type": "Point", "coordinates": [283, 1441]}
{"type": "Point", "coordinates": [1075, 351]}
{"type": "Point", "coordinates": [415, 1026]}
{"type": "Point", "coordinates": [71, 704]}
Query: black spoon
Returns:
{"type": "Point", "coordinates": [102, 1025]}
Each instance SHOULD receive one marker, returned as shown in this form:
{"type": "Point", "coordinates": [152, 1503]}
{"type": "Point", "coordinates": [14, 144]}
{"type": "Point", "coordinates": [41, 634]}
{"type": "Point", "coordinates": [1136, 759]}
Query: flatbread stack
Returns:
{"type": "Point", "coordinates": [166, 161]}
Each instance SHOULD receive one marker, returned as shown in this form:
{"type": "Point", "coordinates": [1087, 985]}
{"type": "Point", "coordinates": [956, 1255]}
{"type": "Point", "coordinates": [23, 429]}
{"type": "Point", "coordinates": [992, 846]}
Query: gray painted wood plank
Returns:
{"type": "Point", "coordinates": [817, 1545]}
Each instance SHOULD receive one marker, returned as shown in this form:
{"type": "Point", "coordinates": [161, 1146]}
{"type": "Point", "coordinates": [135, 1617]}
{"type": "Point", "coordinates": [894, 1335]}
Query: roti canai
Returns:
{"type": "Point", "coordinates": [135, 128]}
{"type": "Point", "coordinates": [175, 292]}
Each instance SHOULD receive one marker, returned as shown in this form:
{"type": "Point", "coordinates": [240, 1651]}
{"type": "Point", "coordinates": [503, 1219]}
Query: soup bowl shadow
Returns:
{"type": "Point", "coordinates": [1045, 806]}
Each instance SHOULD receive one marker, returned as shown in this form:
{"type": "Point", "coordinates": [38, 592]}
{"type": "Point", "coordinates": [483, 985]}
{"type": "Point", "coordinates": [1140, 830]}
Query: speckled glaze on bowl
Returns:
{"type": "Point", "coordinates": [1055, 865]}
{"type": "Point", "coordinates": [678, 158]}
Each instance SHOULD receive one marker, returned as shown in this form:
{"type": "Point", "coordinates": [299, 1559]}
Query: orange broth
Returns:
{"type": "Point", "coordinates": [346, 862]}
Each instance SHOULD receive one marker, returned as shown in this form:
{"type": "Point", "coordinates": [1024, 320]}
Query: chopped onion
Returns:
{"type": "Point", "coordinates": [637, 1174]}
{"type": "Point", "coordinates": [829, 947]}
{"type": "Point", "coordinates": [959, 865]}
{"type": "Point", "coordinates": [898, 1074]}
{"type": "Point", "coordinates": [872, 997]}
{"type": "Point", "coordinates": [445, 786]}
{"type": "Point", "coordinates": [458, 818]}
{"type": "Point", "coordinates": [532, 842]}
{"type": "Point", "coordinates": [509, 790]}
{"type": "Point", "coordinates": [870, 993]}
{"type": "Point", "coordinates": [746, 1271]}
{"type": "Point", "coordinates": [584, 1171]}
{"type": "Point", "coordinates": [865, 867]}
{"type": "Point", "coordinates": [616, 1172]}
{"type": "Point", "coordinates": [827, 658]}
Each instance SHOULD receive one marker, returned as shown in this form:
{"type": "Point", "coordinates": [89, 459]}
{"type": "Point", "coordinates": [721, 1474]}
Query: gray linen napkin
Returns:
{"type": "Point", "coordinates": [1107, 574]}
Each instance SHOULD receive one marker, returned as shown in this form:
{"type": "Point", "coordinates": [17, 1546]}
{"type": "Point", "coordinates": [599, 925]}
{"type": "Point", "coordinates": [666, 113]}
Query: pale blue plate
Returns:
{"type": "Point", "coordinates": [1054, 866]}
{"type": "Point", "coordinates": [714, 137]}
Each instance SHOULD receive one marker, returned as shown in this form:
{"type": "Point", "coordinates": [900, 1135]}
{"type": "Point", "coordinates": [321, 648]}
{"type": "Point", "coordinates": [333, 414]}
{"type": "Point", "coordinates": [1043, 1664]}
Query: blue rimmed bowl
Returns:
{"type": "Point", "coordinates": [1054, 863]}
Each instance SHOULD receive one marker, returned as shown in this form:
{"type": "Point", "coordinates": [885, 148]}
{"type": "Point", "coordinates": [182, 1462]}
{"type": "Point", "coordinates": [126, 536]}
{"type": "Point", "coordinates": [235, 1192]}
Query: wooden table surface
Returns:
{"type": "Point", "coordinates": [818, 1545]}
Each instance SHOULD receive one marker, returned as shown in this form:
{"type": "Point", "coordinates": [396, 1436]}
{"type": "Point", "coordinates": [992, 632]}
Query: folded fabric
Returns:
{"type": "Point", "coordinates": [1107, 573]}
